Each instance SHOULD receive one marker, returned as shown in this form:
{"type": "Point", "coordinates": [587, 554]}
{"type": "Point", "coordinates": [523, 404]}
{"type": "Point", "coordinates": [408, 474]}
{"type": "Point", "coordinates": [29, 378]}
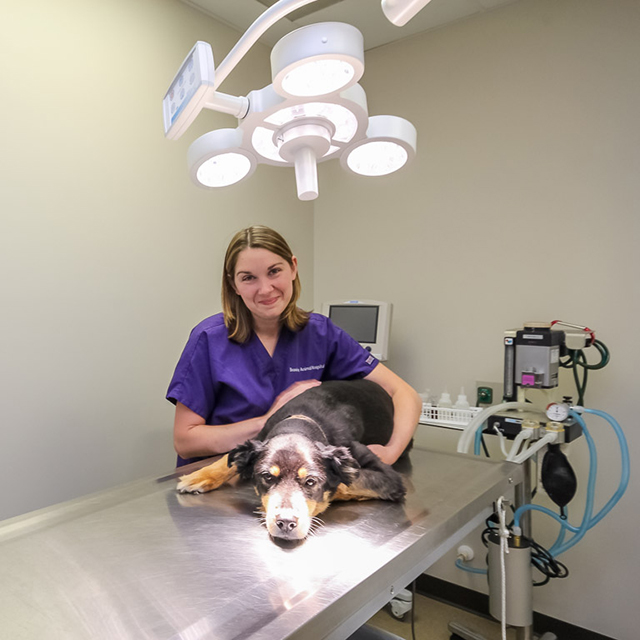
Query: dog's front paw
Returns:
{"type": "Point", "coordinates": [208, 478]}
{"type": "Point", "coordinates": [394, 487]}
{"type": "Point", "coordinates": [391, 486]}
{"type": "Point", "coordinates": [396, 490]}
{"type": "Point", "coordinates": [195, 483]}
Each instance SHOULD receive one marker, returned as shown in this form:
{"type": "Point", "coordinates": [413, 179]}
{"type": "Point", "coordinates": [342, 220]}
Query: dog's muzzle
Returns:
{"type": "Point", "coordinates": [288, 516]}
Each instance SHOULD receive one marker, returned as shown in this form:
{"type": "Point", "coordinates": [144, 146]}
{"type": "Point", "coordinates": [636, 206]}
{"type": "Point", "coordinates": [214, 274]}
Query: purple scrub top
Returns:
{"type": "Point", "coordinates": [226, 382]}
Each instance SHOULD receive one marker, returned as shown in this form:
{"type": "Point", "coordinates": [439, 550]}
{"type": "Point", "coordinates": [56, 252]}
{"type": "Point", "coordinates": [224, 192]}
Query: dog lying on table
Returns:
{"type": "Point", "coordinates": [311, 451]}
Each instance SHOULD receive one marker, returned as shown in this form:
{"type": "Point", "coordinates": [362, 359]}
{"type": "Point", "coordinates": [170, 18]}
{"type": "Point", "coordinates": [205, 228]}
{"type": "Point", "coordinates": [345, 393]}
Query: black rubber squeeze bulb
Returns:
{"type": "Point", "coordinates": [558, 477]}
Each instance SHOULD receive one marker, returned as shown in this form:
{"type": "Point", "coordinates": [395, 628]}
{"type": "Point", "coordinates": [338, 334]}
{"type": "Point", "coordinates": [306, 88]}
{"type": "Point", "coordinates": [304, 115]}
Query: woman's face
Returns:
{"type": "Point", "coordinates": [264, 281]}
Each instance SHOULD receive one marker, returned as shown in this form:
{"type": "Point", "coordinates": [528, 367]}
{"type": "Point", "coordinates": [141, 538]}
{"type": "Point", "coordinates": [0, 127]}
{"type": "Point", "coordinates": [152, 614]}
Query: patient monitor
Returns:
{"type": "Point", "coordinates": [367, 321]}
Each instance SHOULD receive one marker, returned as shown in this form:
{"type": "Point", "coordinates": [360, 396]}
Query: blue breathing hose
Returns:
{"type": "Point", "coordinates": [560, 546]}
{"type": "Point", "coordinates": [626, 465]}
{"type": "Point", "coordinates": [587, 520]}
{"type": "Point", "coordinates": [477, 441]}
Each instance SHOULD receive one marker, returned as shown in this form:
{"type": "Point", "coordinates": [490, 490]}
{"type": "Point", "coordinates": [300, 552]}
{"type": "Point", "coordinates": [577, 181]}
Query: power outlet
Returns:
{"type": "Point", "coordinates": [488, 393]}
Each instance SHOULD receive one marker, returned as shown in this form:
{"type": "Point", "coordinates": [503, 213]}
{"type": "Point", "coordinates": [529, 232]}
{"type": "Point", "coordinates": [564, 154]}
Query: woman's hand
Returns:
{"type": "Point", "coordinates": [290, 393]}
{"type": "Point", "coordinates": [387, 455]}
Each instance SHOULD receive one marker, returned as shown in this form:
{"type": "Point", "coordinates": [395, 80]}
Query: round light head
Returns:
{"type": "Point", "coordinates": [216, 159]}
{"type": "Point", "coordinates": [317, 77]}
{"type": "Point", "coordinates": [317, 60]}
{"type": "Point", "coordinates": [377, 158]}
{"type": "Point", "coordinates": [223, 170]}
{"type": "Point", "coordinates": [389, 145]}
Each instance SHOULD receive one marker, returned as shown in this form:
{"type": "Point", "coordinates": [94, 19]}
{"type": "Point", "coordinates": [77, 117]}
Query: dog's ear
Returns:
{"type": "Point", "coordinates": [341, 465]}
{"type": "Point", "coordinates": [244, 457]}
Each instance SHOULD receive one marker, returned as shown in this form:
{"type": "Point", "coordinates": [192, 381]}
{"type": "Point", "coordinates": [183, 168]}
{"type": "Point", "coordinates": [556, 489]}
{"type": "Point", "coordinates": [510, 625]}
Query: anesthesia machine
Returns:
{"type": "Point", "coordinates": [533, 357]}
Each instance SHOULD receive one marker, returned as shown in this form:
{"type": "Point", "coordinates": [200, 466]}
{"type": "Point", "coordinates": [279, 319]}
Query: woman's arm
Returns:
{"type": "Point", "coordinates": [193, 438]}
{"type": "Point", "coordinates": [406, 406]}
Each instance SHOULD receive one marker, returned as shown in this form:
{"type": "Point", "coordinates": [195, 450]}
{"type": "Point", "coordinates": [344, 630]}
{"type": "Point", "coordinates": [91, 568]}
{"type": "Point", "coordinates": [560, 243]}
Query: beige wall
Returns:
{"type": "Point", "coordinates": [522, 204]}
{"type": "Point", "coordinates": [109, 255]}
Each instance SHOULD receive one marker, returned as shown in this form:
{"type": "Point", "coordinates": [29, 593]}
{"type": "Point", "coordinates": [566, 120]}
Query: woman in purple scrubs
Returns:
{"type": "Point", "coordinates": [241, 365]}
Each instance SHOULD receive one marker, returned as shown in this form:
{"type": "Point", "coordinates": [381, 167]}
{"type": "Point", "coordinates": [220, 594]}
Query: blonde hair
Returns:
{"type": "Point", "coordinates": [237, 317]}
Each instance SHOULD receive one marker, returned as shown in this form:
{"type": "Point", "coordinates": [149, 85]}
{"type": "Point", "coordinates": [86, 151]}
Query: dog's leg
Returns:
{"type": "Point", "coordinates": [208, 478]}
{"type": "Point", "coordinates": [355, 491]}
{"type": "Point", "coordinates": [376, 480]}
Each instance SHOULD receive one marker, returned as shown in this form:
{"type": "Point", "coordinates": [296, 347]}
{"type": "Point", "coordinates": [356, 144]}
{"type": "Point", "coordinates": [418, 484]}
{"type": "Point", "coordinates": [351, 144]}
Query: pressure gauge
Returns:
{"type": "Point", "coordinates": [558, 412]}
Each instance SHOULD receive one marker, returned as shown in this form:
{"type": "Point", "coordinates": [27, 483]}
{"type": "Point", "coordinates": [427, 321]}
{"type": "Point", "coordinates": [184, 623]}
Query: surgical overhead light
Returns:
{"type": "Point", "coordinates": [315, 110]}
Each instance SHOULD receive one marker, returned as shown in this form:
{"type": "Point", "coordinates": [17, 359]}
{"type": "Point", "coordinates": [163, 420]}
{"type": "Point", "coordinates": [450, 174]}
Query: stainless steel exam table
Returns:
{"type": "Point", "coordinates": [142, 562]}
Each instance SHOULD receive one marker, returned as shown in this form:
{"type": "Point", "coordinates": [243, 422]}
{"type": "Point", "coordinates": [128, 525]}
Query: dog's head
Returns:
{"type": "Point", "coordinates": [295, 478]}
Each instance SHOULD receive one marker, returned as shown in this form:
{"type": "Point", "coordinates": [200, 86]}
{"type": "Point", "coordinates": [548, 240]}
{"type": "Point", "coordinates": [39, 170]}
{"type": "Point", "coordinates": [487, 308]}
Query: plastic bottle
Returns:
{"type": "Point", "coordinates": [445, 400]}
{"type": "Point", "coordinates": [461, 402]}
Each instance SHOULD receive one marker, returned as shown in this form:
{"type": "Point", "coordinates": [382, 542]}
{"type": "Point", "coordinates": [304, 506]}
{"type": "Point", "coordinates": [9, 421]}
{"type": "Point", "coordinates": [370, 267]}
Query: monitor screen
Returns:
{"type": "Point", "coordinates": [359, 321]}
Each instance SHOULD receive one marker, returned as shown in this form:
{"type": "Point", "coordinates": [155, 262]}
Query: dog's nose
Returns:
{"type": "Point", "coordinates": [287, 524]}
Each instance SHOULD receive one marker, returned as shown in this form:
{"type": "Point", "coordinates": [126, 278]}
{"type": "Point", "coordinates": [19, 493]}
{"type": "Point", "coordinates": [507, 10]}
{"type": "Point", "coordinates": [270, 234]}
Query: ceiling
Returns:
{"type": "Point", "coordinates": [366, 15]}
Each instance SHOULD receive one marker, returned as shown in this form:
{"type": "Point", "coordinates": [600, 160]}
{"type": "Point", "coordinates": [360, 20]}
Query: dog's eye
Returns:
{"type": "Point", "coordinates": [267, 477]}
{"type": "Point", "coordinates": [311, 482]}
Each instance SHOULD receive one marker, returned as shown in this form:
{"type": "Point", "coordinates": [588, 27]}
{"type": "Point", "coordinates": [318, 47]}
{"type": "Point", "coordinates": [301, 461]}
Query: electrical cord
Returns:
{"type": "Point", "coordinates": [541, 558]}
{"type": "Point", "coordinates": [576, 359]}
{"type": "Point", "coordinates": [484, 446]}
{"type": "Point", "coordinates": [546, 564]}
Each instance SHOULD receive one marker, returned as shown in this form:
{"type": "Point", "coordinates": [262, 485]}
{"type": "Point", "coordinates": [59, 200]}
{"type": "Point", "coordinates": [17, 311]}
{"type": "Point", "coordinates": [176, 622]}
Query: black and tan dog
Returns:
{"type": "Point", "coordinates": [311, 451]}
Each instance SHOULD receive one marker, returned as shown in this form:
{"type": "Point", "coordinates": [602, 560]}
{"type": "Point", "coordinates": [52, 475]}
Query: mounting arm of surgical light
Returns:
{"type": "Point", "coordinates": [263, 22]}
{"type": "Point", "coordinates": [399, 12]}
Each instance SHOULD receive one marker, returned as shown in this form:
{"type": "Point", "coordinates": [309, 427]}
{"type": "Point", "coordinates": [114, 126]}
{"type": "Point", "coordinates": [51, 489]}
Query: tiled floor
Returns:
{"type": "Point", "coordinates": [431, 620]}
